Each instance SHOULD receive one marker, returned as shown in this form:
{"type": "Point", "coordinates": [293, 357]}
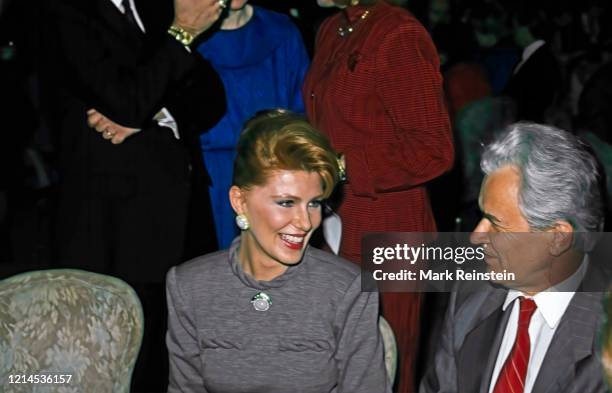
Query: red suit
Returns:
{"type": "Point", "coordinates": [377, 93]}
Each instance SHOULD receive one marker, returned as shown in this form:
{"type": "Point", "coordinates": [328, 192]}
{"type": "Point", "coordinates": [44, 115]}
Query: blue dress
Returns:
{"type": "Point", "coordinates": [262, 65]}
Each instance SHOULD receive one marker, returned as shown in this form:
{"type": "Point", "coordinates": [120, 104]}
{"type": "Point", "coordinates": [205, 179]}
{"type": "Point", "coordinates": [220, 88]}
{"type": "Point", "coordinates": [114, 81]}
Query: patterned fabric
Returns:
{"type": "Point", "coordinates": [512, 376]}
{"type": "Point", "coordinates": [69, 322]}
{"type": "Point", "coordinates": [377, 94]}
{"type": "Point", "coordinates": [605, 335]}
{"type": "Point", "coordinates": [390, 347]}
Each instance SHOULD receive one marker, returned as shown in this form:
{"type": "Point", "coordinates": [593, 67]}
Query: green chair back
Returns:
{"type": "Point", "coordinates": [390, 347]}
{"type": "Point", "coordinates": [68, 322]}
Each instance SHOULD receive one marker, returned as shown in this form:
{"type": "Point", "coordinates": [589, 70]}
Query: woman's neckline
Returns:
{"type": "Point", "coordinates": [249, 12]}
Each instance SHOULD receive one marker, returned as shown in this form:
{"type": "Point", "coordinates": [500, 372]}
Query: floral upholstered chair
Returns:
{"type": "Point", "coordinates": [83, 326]}
{"type": "Point", "coordinates": [390, 347]}
{"type": "Point", "coordinates": [605, 335]}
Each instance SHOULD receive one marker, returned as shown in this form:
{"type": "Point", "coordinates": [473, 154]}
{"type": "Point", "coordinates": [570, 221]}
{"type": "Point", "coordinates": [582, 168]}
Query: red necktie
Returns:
{"type": "Point", "coordinates": [512, 376]}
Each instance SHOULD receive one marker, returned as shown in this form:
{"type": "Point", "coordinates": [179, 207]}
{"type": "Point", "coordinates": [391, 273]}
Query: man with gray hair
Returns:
{"type": "Point", "coordinates": [537, 332]}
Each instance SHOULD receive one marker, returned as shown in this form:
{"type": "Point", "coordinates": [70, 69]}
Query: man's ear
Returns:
{"type": "Point", "coordinates": [563, 238]}
{"type": "Point", "coordinates": [237, 199]}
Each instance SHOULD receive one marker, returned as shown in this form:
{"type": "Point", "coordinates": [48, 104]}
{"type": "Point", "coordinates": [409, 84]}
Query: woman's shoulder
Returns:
{"type": "Point", "coordinates": [332, 267]}
{"type": "Point", "coordinates": [273, 19]}
{"type": "Point", "coordinates": [209, 265]}
{"type": "Point", "coordinates": [393, 18]}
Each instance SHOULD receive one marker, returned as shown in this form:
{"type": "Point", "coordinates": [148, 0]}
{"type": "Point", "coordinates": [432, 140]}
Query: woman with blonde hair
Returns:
{"type": "Point", "coordinates": [272, 314]}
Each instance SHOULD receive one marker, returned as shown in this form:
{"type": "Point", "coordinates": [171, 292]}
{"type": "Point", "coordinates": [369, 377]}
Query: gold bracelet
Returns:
{"type": "Point", "coordinates": [181, 35]}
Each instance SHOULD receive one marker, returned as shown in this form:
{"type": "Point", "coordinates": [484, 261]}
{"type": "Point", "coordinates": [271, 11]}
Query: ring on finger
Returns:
{"type": "Point", "coordinates": [222, 3]}
{"type": "Point", "coordinates": [108, 134]}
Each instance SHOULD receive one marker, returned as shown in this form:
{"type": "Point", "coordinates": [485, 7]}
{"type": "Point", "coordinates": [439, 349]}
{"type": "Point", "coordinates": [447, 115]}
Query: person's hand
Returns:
{"type": "Point", "coordinates": [107, 128]}
{"type": "Point", "coordinates": [196, 16]}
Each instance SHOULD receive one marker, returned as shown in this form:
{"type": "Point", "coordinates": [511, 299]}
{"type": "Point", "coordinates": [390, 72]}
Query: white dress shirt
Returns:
{"type": "Point", "coordinates": [527, 53]}
{"type": "Point", "coordinates": [551, 304]}
{"type": "Point", "coordinates": [163, 117]}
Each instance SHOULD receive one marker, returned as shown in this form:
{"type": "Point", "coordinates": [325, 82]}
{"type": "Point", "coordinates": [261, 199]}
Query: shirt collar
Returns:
{"type": "Point", "coordinates": [250, 281]}
{"type": "Point", "coordinates": [117, 4]}
{"type": "Point", "coordinates": [553, 302]}
{"type": "Point", "coordinates": [531, 48]}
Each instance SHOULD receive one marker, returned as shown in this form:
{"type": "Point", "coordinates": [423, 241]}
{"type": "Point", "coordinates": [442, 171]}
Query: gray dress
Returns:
{"type": "Point", "coordinates": [319, 335]}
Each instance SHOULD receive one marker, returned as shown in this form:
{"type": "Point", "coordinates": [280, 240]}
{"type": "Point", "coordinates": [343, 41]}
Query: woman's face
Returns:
{"type": "Point", "coordinates": [283, 214]}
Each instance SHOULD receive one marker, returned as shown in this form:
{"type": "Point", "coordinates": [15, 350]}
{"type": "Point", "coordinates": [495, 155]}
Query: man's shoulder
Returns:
{"type": "Point", "coordinates": [274, 19]}
{"type": "Point", "coordinates": [598, 277]}
{"type": "Point", "coordinates": [59, 6]}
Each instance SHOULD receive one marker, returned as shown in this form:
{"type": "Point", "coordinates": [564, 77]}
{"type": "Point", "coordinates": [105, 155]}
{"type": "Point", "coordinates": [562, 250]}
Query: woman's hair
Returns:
{"type": "Point", "coordinates": [281, 140]}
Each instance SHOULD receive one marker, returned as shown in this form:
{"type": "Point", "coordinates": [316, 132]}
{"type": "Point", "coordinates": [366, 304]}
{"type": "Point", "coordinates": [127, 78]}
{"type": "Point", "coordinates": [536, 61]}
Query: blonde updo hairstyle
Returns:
{"type": "Point", "coordinates": [281, 140]}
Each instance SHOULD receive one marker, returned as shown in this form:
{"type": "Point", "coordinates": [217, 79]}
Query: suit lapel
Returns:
{"type": "Point", "coordinates": [480, 339]}
{"type": "Point", "coordinates": [111, 16]}
{"type": "Point", "coordinates": [480, 306]}
{"type": "Point", "coordinates": [573, 341]}
{"type": "Point", "coordinates": [479, 333]}
{"type": "Point", "coordinates": [500, 329]}
{"type": "Point", "coordinates": [117, 22]}
{"type": "Point", "coordinates": [532, 62]}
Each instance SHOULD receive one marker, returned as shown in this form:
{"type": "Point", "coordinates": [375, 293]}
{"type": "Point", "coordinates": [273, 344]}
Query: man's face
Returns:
{"type": "Point", "coordinates": [506, 236]}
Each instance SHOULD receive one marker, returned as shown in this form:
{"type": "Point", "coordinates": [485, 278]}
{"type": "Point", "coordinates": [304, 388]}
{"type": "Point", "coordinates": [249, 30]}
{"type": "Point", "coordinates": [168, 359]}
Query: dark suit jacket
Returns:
{"type": "Point", "coordinates": [93, 58]}
{"type": "Point", "coordinates": [474, 328]}
{"type": "Point", "coordinates": [536, 85]}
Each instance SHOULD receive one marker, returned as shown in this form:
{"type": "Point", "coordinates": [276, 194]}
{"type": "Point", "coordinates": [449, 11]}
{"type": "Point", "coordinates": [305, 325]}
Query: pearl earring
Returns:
{"type": "Point", "coordinates": [242, 222]}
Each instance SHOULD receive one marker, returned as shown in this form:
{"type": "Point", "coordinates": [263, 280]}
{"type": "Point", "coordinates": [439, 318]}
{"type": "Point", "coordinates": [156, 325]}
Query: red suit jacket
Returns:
{"type": "Point", "coordinates": [377, 93]}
